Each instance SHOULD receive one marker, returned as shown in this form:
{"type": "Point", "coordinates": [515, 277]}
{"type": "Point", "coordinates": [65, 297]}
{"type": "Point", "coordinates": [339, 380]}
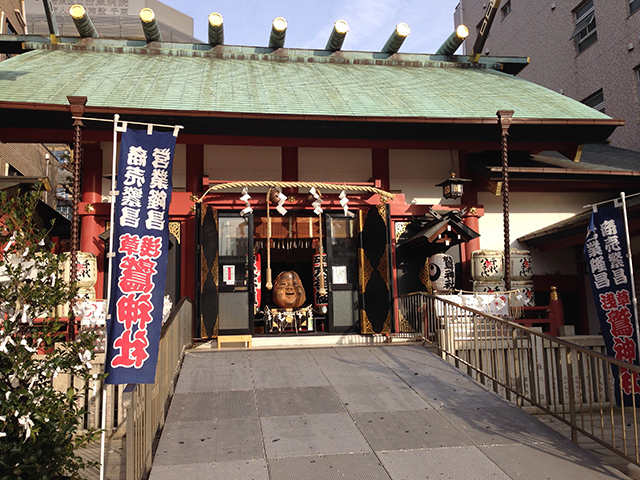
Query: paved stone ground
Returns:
{"type": "Point", "coordinates": [387, 412]}
{"type": "Point", "coordinates": [115, 468]}
{"type": "Point", "coordinates": [595, 448]}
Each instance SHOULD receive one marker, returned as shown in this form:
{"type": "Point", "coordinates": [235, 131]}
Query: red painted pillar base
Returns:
{"type": "Point", "coordinates": [556, 312]}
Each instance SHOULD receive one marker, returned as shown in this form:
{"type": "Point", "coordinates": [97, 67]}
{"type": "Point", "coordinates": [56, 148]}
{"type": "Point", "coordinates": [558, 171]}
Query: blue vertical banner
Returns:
{"type": "Point", "coordinates": [140, 234]}
{"type": "Point", "coordinates": [606, 250]}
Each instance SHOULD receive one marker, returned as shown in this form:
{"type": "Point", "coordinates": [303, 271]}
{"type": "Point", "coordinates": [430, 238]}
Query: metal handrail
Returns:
{"type": "Point", "coordinates": [574, 384]}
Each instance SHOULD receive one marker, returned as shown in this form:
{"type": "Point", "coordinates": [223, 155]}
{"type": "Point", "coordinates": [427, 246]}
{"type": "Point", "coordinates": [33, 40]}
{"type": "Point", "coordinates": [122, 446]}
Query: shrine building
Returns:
{"type": "Point", "coordinates": [354, 146]}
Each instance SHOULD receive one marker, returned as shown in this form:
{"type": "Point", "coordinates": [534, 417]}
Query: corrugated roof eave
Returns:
{"type": "Point", "coordinates": [314, 90]}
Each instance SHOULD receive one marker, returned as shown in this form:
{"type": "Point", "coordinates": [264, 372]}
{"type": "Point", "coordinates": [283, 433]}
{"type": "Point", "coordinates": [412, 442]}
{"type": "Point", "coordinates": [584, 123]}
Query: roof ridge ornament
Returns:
{"type": "Point", "coordinates": [483, 30]}
{"type": "Point", "coordinates": [150, 25]}
{"type": "Point", "coordinates": [278, 32]}
{"type": "Point", "coordinates": [51, 18]}
{"type": "Point", "coordinates": [216, 29]}
{"type": "Point", "coordinates": [83, 23]}
{"type": "Point", "coordinates": [338, 34]}
{"type": "Point", "coordinates": [451, 44]}
{"type": "Point", "coordinates": [396, 39]}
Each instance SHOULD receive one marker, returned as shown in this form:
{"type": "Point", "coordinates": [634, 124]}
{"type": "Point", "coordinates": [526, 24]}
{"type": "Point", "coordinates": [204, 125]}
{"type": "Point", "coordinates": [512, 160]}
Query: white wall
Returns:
{"type": "Point", "coordinates": [417, 172]}
{"type": "Point", "coordinates": [334, 165]}
{"type": "Point", "coordinates": [561, 261]}
{"type": "Point", "coordinates": [179, 167]}
{"type": "Point", "coordinates": [228, 162]}
{"type": "Point", "coordinates": [107, 159]}
{"type": "Point", "coordinates": [529, 212]}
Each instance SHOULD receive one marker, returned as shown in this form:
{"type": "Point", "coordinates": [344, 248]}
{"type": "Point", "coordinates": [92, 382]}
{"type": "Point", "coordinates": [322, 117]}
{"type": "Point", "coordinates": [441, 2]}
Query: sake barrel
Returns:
{"type": "Point", "coordinates": [487, 265]}
{"type": "Point", "coordinates": [525, 288]}
{"type": "Point", "coordinates": [488, 287]}
{"type": "Point", "coordinates": [521, 265]}
{"type": "Point", "coordinates": [442, 273]}
{"type": "Point", "coordinates": [86, 293]}
{"type": "Point", "coordinates": [87, 271]}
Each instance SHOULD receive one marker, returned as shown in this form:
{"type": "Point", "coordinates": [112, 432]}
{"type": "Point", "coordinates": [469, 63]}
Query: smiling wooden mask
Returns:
{"type": "Point", "coordinates": [288, 291]}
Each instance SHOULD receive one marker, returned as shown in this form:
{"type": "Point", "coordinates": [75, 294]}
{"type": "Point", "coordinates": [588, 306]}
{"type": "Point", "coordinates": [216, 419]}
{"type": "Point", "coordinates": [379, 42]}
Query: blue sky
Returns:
{"type": "Point", "coordinates": [248, 22]}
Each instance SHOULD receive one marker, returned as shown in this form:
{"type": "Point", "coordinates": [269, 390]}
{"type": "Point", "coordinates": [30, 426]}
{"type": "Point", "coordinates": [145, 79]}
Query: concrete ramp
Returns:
{"type": "Point", "coordinates": [375, 412]}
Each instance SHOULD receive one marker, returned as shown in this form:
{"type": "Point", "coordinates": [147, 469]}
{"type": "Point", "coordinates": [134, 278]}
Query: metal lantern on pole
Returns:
{"type": "Point", "coordinates": [453, 187]}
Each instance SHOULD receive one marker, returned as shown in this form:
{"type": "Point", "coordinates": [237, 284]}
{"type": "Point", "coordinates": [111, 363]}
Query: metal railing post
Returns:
{"type": "Point", "coordinates": [516, 366]}
{"type": "Point", "coordinates": [572, 399]}
{"type": "Point", "coordinates": [476, 348]}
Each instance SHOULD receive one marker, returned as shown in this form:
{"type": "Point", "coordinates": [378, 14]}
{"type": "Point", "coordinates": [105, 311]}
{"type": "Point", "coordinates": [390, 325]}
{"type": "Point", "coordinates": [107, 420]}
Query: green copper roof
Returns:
{"type": "Point", "coordinates": [274, 84]}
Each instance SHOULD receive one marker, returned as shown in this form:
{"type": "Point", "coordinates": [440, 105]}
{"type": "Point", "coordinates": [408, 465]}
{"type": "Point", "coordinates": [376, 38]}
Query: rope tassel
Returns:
{"type": "Point", "coordinates": [268, 284]}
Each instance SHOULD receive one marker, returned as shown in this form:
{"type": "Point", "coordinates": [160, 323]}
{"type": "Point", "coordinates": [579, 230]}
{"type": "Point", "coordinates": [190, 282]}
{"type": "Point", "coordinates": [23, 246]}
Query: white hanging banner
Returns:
{"type": "Point", "coordinates": [280, 208]}
{"type": "Point", "coordinates": [317, 209]}
{"type": "Point", "coordinates": [245, 198]}
{"type": "Point", "coordinates": [344, 201]}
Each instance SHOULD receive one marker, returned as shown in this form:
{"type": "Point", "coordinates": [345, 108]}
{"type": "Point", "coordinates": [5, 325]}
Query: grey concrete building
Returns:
{"type": "Point", "coordinates": [588, 50]}
{"type": "Point", "coordinates": [22, 159]}
{"type": "Point", "coordinates": [112, 18]}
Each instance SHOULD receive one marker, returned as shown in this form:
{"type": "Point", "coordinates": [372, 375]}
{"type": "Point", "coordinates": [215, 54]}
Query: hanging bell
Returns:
{"type": "Point", "coordinates": [314, 195]}
{"type": "Point", "coordinates": [274, 195]}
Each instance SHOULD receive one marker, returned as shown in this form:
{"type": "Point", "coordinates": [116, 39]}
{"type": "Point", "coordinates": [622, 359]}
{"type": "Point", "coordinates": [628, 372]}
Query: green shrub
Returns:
{"type": "Point", "coordinates": [39, 426]}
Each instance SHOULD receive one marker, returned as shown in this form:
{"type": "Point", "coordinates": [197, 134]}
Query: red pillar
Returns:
{"type": "Point", "coordinates": [471, 221]}
{"type": "Point", "coordinates": [188, 258]}
{"type": "Point", "coordinates": [90, 228]}
{"type": "Point", "coordinates": [195, 174]}
{"type": "Point", "coordinates": [556, 312]}
{"type": "Point", "coordinates": [380, 166]}
{"type": "Point", "coordinates": [289, 167]}
{"type": "Point", "coordinates": [195, 168]}
{"type": "Point", "coordinates": [470, 198]}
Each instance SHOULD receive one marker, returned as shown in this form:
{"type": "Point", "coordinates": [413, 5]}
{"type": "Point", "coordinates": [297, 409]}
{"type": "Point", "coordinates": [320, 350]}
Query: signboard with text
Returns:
{"type": "Point", "coordinates": [140, 234]}
{"type": "Point", "coordinates": [605, 250]}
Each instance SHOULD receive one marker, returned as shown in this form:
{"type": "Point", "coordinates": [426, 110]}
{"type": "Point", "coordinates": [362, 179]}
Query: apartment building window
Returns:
{"type": "Point", "coordinates": [585, 32]}
{"type": "Point", "coordinates": [8, 29]}
{"type": "Point", "coordinates": [506, 9]}
{"type": "Point", "coordinates": [595, 100]}
{"type": "Point", "coordinates": [11, 171]}
{"type": "Point", "coordinates": [633, 6]}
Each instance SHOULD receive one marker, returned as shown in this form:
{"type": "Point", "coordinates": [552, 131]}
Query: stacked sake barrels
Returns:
{"type": "Point", "coordinates": [487, 271]}
{"type": "Point", "coordinates": [87, 276]}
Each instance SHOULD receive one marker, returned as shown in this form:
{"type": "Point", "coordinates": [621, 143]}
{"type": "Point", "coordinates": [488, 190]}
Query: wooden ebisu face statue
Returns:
{"type": "Point", "coordinates": [288, 291]}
